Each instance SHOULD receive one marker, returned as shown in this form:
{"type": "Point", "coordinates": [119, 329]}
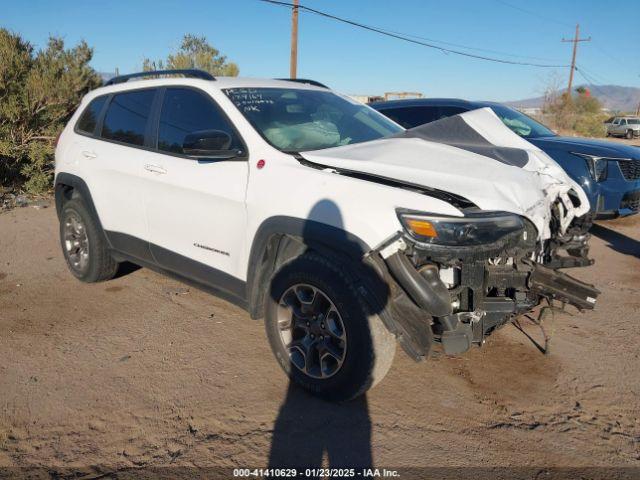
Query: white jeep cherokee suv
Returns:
{"type": "Point", "coordinates": [338, 227]}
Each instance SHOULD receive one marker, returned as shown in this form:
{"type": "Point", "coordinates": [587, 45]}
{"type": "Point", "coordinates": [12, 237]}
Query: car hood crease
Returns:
{"type": "Point", "coordinates": [474, 156]}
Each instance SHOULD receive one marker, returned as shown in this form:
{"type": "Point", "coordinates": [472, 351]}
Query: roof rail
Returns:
{"type": "Point", "coordinates": [304, 80]}
{"type": "Point", "coordinates": [188, 73]}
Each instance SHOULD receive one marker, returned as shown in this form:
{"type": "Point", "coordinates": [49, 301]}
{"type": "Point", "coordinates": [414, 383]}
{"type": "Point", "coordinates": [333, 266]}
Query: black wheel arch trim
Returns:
{"type": "Point", "coordinates": [280, 239]}
{"type": "Point", "coordinates": [290, 236]}
{"type": "Point", "coordinates": [63, 183]}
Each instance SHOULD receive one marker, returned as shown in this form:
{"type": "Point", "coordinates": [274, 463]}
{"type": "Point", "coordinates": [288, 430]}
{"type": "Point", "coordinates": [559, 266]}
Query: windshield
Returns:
{"type": "Point", "coordinates": [524, 126]}
{"type": "Point", "coordinates": [294, 120]}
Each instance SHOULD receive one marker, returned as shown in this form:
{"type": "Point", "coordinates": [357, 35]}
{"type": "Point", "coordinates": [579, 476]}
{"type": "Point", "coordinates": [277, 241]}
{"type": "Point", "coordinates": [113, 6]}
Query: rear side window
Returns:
{"type": "Point", "coordinates": [127, 117]}
{"type": "Point", "coordinates": [410, 117]}
{"type": "Point", "coordinates": [186, 111]}
{"type": "Point", "coordinates": [89, 118]}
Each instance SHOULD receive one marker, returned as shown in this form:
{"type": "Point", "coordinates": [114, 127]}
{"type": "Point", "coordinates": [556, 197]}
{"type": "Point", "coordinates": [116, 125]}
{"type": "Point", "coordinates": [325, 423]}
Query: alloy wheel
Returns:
{"type": "Point", "coordinates": [312, 331]}
{"type": "Point", "coordinates": [76, 242]}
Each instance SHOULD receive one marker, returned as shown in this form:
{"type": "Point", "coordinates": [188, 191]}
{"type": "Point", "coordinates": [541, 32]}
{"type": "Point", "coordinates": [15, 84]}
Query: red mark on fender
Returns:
{"type": "Point", "coordinates": [261, 164]}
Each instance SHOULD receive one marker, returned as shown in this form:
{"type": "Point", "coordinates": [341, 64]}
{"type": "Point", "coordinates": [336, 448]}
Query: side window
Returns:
{"type": "Point", "coordinates": [410, 117]}
{"type": "Point", "coordinates": [127, 116]}
{"type": "Point", "coordinates": [623, 122]}
{"type": "Point", "coordinates": [89, 118]}
{"type": "Point", "coordinates": [445, 112]}
{"type": "Point", "coordinates": [186, 111]}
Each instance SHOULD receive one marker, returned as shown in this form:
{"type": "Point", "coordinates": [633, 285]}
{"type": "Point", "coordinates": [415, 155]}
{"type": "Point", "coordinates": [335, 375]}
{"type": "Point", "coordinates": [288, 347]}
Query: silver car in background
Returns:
{"type": "Point", "coordinates": [627, 127]}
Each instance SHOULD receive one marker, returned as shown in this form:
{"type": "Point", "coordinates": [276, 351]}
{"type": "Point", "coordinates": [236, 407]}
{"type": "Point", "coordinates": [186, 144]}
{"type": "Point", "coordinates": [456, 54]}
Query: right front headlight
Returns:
{"type": "Point", "coordinates": [473, 229]}
{"type": "Point", "coordinates": [597, 166]}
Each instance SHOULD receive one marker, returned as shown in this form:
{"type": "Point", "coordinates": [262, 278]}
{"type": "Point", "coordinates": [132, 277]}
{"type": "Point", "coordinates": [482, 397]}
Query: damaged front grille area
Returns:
{"type": "Point", "coordinates": [471, 291]}
{"type": "Point", "coordinates": [569, 248]}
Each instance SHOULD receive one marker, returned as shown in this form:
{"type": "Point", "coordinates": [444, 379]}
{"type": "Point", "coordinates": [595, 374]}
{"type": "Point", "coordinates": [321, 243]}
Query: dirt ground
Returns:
{"type": "Point", "coordinates": [143, 371]}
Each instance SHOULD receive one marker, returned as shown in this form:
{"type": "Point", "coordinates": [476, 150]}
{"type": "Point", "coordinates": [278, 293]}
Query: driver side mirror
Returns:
{"type": "Point", "coordinates": [209, 144]}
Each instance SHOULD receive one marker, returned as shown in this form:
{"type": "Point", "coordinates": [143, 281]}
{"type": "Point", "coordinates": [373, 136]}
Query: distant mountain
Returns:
{"type": "Point", "coordinates": [106, 76]}
{"type": "Point", "coordinates": [613, 97]}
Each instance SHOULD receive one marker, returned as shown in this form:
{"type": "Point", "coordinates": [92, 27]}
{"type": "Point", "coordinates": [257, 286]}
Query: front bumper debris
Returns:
{"type": "Point", "coordinates": [559, 286]}
{"type": "Point", "coordinates": [493, 285]}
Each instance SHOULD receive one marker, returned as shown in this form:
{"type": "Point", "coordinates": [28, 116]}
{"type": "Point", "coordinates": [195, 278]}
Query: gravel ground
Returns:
{"type": "Point", "coordinates": [143, 371]}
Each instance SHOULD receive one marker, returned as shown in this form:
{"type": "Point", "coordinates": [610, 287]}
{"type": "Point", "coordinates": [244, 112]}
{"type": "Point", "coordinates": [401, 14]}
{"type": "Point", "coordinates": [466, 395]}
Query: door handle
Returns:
{"type": "Point", "coordinates": [88, 154]}
{"type": "Point", "coordinates": [155, 169]}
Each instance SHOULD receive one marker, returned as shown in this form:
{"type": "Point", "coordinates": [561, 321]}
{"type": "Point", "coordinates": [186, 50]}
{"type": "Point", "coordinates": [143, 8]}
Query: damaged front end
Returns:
{"type": "Point", "coordinates": [455, 280]}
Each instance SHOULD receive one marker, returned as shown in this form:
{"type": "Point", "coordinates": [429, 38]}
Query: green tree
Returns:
{"type": "Point", "coordinates": [39, 92]}
{"type": "Point", "coordinates": [580, 113]}
{"type": "Point", "coordinates": [195, 52]}
{"type": "Point", "coordinates": [584, 103]}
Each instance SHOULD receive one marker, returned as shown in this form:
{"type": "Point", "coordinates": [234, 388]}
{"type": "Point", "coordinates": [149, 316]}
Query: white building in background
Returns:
{"type": "Point", "coordinates": [366, 98]}
{"type": "Point", "coordinates": [386, 96]}
{"type": "Point", "coordinates": [530, 110]}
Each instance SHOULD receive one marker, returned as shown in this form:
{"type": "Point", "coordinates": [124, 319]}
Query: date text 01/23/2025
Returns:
{"type": "Point", "coordinates": [315, 473]}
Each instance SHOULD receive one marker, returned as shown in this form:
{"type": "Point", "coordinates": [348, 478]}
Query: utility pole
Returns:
{"type": "Point", "coordinates": [575, 41]}
{"type": "Point", "coordinates": [293, 65]}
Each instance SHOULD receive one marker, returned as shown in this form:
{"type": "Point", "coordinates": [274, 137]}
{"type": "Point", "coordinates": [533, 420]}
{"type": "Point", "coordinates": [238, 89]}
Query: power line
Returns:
{"type": "Point", "coordinates": [549, 19]}
{"type": "Point", "coordinates": [466, 47]}
{"type": "Point", "coordinates": [530, 12]}
{"type": "Point", "coordinates": [589, 81]}
{"type": "Point", "coordinates": [600, 78]}
{"type": "Point", "coordinates": [602, 50]}
{"type": "Point", "coordinates": [408, 38]}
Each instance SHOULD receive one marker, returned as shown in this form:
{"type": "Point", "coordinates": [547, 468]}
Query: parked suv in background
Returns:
{"type": "Point", "coordinates": [608, 172]}
{"type": "Point", "coordinates": [627, 127]}
{"type": "Point", "coordinates": [320, 215]}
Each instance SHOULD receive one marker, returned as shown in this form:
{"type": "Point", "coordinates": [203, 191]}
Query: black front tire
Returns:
{"type": "Point", "coordinates": [97, 265]}
{"type": "Point", "coordinates": [629, 134]}
{"type": "Point", "coordinates": [370, 347]}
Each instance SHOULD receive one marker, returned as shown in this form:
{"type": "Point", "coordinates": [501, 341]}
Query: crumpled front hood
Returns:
{"type": "Point", "coordinates": [472, 155]}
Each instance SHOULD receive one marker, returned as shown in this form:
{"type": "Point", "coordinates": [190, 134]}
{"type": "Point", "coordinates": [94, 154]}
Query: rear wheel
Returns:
{"type": "Point", "coordinates": [83, 245]}
{"type": "Point", "coordinates": [321, 332]}
{"type": "Point", "coordinates": [629, 134]}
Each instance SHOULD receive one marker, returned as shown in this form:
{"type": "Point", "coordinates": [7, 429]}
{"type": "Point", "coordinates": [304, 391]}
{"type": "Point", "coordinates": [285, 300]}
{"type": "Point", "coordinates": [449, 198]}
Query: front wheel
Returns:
{"type": "Point", "coordinates": [321, 331]}
{"type": "Point", "coordinates": [629, 134]}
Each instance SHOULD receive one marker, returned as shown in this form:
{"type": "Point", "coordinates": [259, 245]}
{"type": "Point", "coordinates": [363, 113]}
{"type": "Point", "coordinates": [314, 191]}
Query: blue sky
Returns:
{"type": "Point", "coordinates": [256, 36]}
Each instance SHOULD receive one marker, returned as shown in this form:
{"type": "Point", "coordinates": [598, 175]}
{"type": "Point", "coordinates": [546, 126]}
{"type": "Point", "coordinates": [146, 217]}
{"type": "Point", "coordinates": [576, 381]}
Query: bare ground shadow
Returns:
{"type": "Point", "coordinates": [617, 241]}
{"type": "Point", "coordinates": [308, 428]}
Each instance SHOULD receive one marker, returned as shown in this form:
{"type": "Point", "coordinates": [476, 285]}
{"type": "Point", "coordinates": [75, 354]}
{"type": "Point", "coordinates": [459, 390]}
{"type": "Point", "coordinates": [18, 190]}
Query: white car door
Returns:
{"type": "Point", "coordinates": [195, 208]}
{"type": "Point", "coordinates": [114, 157]}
